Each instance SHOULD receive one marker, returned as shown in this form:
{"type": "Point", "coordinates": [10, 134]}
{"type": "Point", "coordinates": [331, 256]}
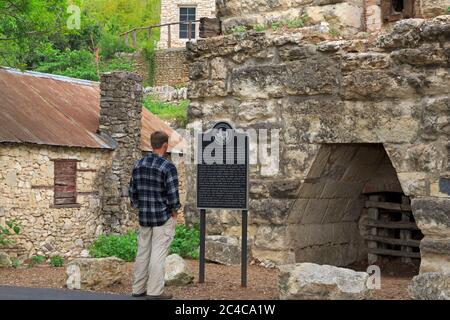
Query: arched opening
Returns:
{"type": "Point", "coordinates": [351, 211]}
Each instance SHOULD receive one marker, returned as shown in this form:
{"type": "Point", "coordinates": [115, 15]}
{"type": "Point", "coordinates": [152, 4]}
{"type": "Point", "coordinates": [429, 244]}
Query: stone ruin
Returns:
{"type": "Point", "coordinates": [364, 122]}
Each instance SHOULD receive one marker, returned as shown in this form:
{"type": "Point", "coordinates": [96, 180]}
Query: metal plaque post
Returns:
{"type": "Point", "coordinates": [201, 273]}
{"type": "Point", "coordinates": [244, 249]}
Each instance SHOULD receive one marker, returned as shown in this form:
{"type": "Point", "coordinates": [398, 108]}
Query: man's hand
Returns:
{"type": "Point", "coordinates": [174, 215]}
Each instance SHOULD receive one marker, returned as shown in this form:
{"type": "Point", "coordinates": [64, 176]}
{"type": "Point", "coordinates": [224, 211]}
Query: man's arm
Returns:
{"type": "Point", "coordinates": [173, 197]}
{"type": "Point", "coordinates": [133, 191]}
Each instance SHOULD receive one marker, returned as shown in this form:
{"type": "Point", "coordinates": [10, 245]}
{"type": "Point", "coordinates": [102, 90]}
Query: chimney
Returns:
{"type": "Point", "coordinates": [120, 123]}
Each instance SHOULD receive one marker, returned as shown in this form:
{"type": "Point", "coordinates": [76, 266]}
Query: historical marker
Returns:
{"type": "Point", "coordinates": [222, 181]}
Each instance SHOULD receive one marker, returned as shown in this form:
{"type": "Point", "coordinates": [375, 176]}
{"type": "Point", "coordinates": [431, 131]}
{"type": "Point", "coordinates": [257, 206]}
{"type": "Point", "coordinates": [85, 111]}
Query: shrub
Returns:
{"type": "Point", "coordinates": [185, 244]}
{"type": "Point", "coordinates": [12, 227]}
{"type": "Point", "coordinates": [150, 56]}
{"type": "Point", "coordinates": [298, 22]}
{"type": "Point", "coordinates": [56, 261]}
{"type": "Point", "coordinates": [110, 44]}
{"type": "Point", "coordinates": [15, 263]}
{"type": "Point", "coordinates": [120, 246]}
{"type": "Point", "coordinates": [259, 27]}
{"type": "Point", "coordinates": [36, 260]}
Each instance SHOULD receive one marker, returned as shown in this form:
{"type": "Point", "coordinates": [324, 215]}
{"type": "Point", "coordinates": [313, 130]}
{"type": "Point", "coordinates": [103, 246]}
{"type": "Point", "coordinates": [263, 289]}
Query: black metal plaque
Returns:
{"type": "Point", "coordinates": [222, 170]}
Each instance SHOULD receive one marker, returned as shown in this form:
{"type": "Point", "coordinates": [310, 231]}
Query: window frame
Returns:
{"type": "Point", "coordinates": [184, 28]}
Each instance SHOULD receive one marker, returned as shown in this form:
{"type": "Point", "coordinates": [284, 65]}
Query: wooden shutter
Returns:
{"type": "Point", "coordinates": [65, 188]}
{"type": "Point", "coordinates": [408, 9]}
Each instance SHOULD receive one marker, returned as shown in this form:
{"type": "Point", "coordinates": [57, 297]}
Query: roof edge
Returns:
{"type": "Point", "coordinates": [50, 76]}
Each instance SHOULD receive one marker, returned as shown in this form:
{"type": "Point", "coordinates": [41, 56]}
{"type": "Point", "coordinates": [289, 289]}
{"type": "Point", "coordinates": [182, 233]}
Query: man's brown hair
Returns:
{"type": "Point", "coordinates": [158, 138]}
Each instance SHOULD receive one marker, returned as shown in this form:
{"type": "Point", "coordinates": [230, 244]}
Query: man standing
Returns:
{"type": "Point", "coordinates": [154, 191]}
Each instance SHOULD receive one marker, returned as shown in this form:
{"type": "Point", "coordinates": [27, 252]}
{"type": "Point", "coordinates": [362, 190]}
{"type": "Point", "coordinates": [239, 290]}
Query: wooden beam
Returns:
{"type": "Point", "coordinates": [394, 253]}
{"type": "Point", "coordinates": [169, 38]}
{"type": "Point", "coordinates": [388, 206]}
{"type": "Point", "coordinates": [392, 225]}
{"type": "Point", "coordinates": [395, 242]}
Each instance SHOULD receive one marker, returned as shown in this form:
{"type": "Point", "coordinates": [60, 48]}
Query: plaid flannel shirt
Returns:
{"type": "Point", "coordinates": [154, 190]}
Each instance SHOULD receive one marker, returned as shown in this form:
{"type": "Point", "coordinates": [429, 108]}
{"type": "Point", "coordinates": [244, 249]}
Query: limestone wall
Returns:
{"type": "Point", "coordinates": [26, 194]}
{"type": "Point", "coordinates": [171, 67]}
{"type": "Point", "coordinates": [346, 17]}
{"type": "Point", "coordinates": [394, 92]}
{"type": "Point", "coordinates": [170, 12]}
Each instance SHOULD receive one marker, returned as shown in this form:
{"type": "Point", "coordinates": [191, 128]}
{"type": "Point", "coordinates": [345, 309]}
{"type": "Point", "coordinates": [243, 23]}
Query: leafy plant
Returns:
{"type": "Point", "coordinates": [448, 10]}
{"type": "Point", "coordinates": [37, 260]}
{"type": "Point", "coordinates": [110, 44]}
{"type": "Point", "coordinates": [12, 227]}
{"type": "Point", "coordinates": [237, 29]}
{"type": "Point", "coordinates": [185, 244]}
{"type": "Point", "coordinates": [276, 25]}
{"type": "Point", "coordinates": [15, 263]}
{"type": "Point", "coordinates": [168, 111]}
{"type": "Point", "coordinates": [259, 27]}
{"type": "Point", "coordinates": [56, 261]}
{"type": "Point", "coordinates": [334, 32]}
{"type": "Point", "coordinates": [120, 246]}
{"type": "Point", "coordinates": [297, 22]}
{"type": "Point", "coordinates": [150, 56]}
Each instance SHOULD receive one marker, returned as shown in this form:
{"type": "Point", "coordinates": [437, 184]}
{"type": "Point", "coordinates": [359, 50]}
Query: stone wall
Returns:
{"type": "Point", "coordinates": [26, 194]}
{"type": "Point", "coordinates": [170, 12]}
{"type": "Point", "coordinates": [120, 120]}
{"type": "Point", "coordinates": [171, 67]}
{"type": "Point", "coordinates": [393, 92]}
{"type": "Point", "coordinates": [346, 17]}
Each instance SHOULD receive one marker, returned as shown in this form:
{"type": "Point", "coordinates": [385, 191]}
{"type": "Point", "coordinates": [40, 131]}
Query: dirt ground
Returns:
{"type": "Point", "coordinates": [222, 282]}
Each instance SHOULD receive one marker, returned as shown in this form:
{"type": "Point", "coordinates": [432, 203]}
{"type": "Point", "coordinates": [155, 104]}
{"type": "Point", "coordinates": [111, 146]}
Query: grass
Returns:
{"type": "Point", "coordinates": [56, 261]}
{"type": "Point", "coordinates": [168, 111]}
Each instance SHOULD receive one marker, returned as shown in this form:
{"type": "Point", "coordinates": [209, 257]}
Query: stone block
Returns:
{"type": "Point", "coordinates": [272, 237]}
{"type": "Point", "coordinates": [308, 281]}
{"type": "Point", "coordinates": [224, 250]}
{"type": "Point", "coordinates": [432, 216]}
{"type": "Point", "coordinates": [270, 211]}
{"type": "Point", "coordinates": [177, 271]}
{"type": "Point", "coordinates": [315, 211]}
{"type": "Point", "coordinates": [5, 260]}
{"type": "Point", "coordinates": [92, 274]}
{"type": "Point", "coordinates": [430, 286]}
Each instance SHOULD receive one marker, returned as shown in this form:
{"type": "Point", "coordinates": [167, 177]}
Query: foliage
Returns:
{"type": "Point", "coordinates": [448, 10]}
{"type": "Point", "coordinates": [237, 29]}
{"type": "Point", "coordinates": [297, 22]}
{"type": "Point", "coordinates": [334, 32]}
{"type": "Point", "coordinates": [110, 44]}
{"type": "Point", "coordinates": [56, 261]}
{"type": "Point", "coordinates": [120, 246]}
{"type": "Point", "coordinates": [15, 262]}
{"type": "Point", "coordinates": [168, 111]}
{"type": "Point", "coordinates": [259, 27]}
{"type": "Point", "coordinates": [11, 228]}
{"type": "Point", "coordinates": [37, 260]}
{"type": "Point", "coordinates": [275, 26]}
{"type": "Point", "coordinates": [185, 243]}
{"type": "Point", "coordinates": [150, 56]}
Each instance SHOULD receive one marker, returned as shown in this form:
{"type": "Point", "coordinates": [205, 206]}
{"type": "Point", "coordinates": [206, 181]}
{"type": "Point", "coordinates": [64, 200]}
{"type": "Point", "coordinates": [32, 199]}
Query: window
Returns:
{"type": "Point", "coordinates": [187, 14]}
{"type": "Point", "coordinates": [65, 184]}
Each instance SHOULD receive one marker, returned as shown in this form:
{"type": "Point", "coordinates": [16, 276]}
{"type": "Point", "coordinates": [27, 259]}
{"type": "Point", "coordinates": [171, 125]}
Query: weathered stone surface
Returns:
{"type": "Point", "coordinates": [322, 282]}
{"type": "Point", "coordinates": [432, 215]}
{"type": "Point", "coordinates": [224, 250]}
{"type": "Point", "coordinates": [5, 261]}
{"type": "Point", "coordinates": [430, 286]}
{"type": "Point", "coordinates": [405, 33]}
{"type": "Point", "coordinates": [269, 210]}
{"type": "Point", "coordinates": [91, 273]}
{"type": "Point", "coordinates": [177, 271]}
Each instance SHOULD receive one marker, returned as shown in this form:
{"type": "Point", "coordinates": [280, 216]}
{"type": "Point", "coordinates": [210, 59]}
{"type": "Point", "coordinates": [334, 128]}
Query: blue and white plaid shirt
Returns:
{"type": "Point", "coordinates": [154, 190]}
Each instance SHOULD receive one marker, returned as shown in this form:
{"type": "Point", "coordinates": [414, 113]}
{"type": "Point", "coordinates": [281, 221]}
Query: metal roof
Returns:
{"type": "Point", "coordinates": [55, 110]}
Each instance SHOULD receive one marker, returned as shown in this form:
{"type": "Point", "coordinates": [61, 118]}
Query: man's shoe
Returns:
{"type": "Point", "coordinates": [139, 295]}
{"type": "Point", "coordinates": [163, 296]}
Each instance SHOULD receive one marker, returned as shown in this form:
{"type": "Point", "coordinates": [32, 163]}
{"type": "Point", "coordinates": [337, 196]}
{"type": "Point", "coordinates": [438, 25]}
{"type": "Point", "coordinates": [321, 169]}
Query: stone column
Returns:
{"type": "Point", "coordinates": [120, 121]}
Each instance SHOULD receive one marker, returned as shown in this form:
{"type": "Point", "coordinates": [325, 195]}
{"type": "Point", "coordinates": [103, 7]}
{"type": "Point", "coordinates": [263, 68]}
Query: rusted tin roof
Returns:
{"type": "Point", "coordinates": [54, 110]}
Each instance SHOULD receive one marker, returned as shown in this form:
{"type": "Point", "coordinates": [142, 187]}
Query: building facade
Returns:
{"type": "Point", "coordinates": [182, 11]}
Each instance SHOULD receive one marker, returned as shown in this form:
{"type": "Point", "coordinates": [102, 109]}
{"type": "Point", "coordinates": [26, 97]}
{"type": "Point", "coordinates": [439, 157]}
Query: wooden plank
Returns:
{"type": "Point", "coordinates": [392, 225]}
{"type": "Point", "coordinates": [373, 214]}
{"type": "Point", "coordinates": [408, 9]}
{"type": "Point", "coordinates": [388, 206]}
{"type": "Point", "coordinates": [406, 234]}
{"type": "Point", "coordinates": [396, 242]}
{"type": "Point", "coordinates": [394, 253]}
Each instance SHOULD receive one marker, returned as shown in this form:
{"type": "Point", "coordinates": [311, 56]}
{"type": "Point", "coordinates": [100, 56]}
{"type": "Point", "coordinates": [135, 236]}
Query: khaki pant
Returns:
{"type": "Point", "coordinates": [149, 268]}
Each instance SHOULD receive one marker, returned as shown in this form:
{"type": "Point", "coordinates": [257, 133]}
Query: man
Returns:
{"type": "Point", "coordinates": [154, 191]}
